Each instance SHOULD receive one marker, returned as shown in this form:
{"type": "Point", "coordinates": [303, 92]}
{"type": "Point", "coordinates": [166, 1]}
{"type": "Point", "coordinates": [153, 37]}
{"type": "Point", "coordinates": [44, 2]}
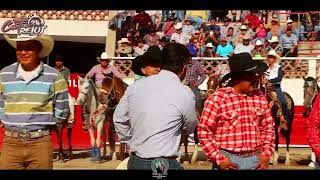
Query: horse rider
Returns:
{"type": "Point", "coordinates": [147, 64]}
{"type": "Point", "coordinates": [236, 129]}
{"type": "Point", "coordinates": [274, 77]}
{"type": "Point", "coordinates": [154, 113]}
{"type": "Point", "coordinates": [313, 131]}
{"type": "Point", "coordinates": [33, 98]}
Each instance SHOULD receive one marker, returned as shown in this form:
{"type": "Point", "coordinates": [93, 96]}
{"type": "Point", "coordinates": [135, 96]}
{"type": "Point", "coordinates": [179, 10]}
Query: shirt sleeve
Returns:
{"type": "Point", "coordinates": [116, 72]}
{"type": "Point", "coordinates": [207, 129]}
{"type": "Point", "coordinates": [313, 128]}
{"type": "Point", "coordinates": [190, 120]}
{"type": "Point", "coordinates": [61, 100]}
{"type": "Point", "coordinates": [91, 73]}
{"type": "Point", "coordinates": [201, 73]}
{"type": "Point", "coordinates": [121, 119]}
{"type": "Point", "coordinates": [279, 78]}
{"type": "Point", "coordinates": [2, 99]}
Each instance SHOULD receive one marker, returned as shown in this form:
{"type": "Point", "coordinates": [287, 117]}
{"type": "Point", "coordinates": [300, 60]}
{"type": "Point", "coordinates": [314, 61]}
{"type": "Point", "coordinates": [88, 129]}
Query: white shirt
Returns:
{"type": "Point", "coordinates": [28, 75]}
{"type": "Point", "coordinates": [182, 38]}
{"type": "Point", "coordinates": [273, 73]}
{"type": "Point", "coordinates": [140, 51]}
{"type": "Point", "coordinates": [240, 48]}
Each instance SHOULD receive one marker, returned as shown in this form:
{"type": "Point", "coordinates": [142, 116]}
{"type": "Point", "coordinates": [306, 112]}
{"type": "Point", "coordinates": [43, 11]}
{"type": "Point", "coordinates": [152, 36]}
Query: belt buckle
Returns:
{"type": "Point", "coordinates": [24, 135]}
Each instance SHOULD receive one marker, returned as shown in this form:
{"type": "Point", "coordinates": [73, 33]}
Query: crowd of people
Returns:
{"type": "Point", "coordinates": [209, 36]}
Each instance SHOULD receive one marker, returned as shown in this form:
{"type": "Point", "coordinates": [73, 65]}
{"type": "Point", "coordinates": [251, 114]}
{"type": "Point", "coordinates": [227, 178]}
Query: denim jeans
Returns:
{"type": "Point", "coordinates": [196, 21]}
{"type": "Point", "coordinates": [247, 163]}
{"type": "Point", "coordinates": [137, 163]}
{"type": "Point", "coordinates": [180, 14]}
{"type": "Point", "coordinates": [283, 102]}
{"type": "Point", "coordinates": [199, 100]}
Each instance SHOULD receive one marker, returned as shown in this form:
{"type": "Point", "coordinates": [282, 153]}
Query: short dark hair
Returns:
{"type": "Point", "coordinates": [58, 58]}
{"type": "Point", "coordinates": [174, 57]}
{"type": "Point", "coordinates": [230, 28]}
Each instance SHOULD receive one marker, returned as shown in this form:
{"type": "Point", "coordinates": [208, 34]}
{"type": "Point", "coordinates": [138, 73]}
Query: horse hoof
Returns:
{"type": "Point", "coordinates": [114, 156]}
{"type": "Point", "coordinates": [287, 162]}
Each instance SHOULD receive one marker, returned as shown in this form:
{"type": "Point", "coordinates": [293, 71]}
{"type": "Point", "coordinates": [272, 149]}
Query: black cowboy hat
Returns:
{"type": "Point", "coordinates": [243, 62]}
{"type": "Point", "coordinates": [152, 57]}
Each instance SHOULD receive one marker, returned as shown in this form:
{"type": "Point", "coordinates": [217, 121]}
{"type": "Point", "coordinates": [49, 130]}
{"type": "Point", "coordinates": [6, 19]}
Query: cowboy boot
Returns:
{"type": "Point", "coordinates": [93, 154]}
{"type": "Point", "coordinates": [98, 154]}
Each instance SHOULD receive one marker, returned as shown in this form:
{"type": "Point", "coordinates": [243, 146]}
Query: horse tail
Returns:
{"type": "Point", "coordinates": [290, 105]}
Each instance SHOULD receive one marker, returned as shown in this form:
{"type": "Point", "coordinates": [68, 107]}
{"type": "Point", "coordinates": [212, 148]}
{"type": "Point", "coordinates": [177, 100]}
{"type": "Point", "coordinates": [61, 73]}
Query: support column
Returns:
{"type": "Point", "coordinates": [312, 68]}
{"type": "Point", "coordinates": [111, 36]}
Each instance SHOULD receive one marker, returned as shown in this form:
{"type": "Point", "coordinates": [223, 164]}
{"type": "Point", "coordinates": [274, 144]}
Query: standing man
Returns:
{"type": "Point", "coordinates": [236, 129]}
{"type": "Point", "coordinates": [33, 98]}
{"type": "Point", "coordinates": [61, 68]}
{"type": "Point", "coordinates": [156, 111]}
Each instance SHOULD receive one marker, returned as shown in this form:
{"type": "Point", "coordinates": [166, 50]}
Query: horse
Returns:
{"type": "Point", "coordinates": [311, 90]}
{"type": "Point", "coordinates": [59, 128]}
{"type": "Point", "coordinates": [115, 89]}
{"type": "Point", "coordinates": [89, 98]}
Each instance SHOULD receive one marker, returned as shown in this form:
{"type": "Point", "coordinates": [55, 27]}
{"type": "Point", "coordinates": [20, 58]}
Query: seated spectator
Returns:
{"type": "Point", "coordinates": [259, 50]}
{"type": "Point", "coordinates": [275, 45]}
{"type": "Point", "coordinates": [245, 46]}
{"type": "Point", "coordinates": [179, 36]}
{"type": "Point", "coordinates": [224, 28]}
{"type": "Point", "coordinates": [188, 28]}
{"type": "Point", "coordinates": [213, 27]}
{"type": "Point", "coordinates": [243, 32]}
{"type": "Point", "coordinates": [197, 17]}
{"type": "Point", "coordinates": [211, 38]}
{"type": "Point", "coordinates": [274, 28]}
{"type": "Point", "coordinates": [249, 28]}
{"type": "Point", "coordinates": [253, 18]}
{"type": "Point", "coordinates": [141, 48]}
{"type": "Point", "coordinates": [294, 30]}
{"type": "Point", "coordinates": [162, 42]}
{"type": "Point", "coordinates": [202, 35]}
{"type": "Point", "coordinates": [135, 38]}
{"type": "Point", "coordinates": [289, 42]}
{"type": "Point", "coordinates": [309, 31]}
{"type": "Point", "coordinates": [168, 27]}
{"type": "Point", "coordinates": [143, 22]}
{"type": "Point", "coordinates": [224, 49]}
{"type": "Point", "coordinates": [261, 32]}
{"type": "Point", "coordinates": [194, 47]}
{"type": "Point", "coordinates": [231, 36]}
{"type": "Point", "coordinates": [152, 39]}
{"type": "Point", "coordinates": [208, 50]}
{"type": "Point", "coordinates": [124, 49]}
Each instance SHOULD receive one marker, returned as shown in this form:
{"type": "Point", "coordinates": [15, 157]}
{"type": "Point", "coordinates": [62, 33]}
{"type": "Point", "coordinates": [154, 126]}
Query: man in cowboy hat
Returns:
{"type": "Point", "coordinates": [208, 50]}
{"type": "Point", "coordinates": [33, 98]}
{"type": "Point", "coordinates": [236, 129]}
{"type": "Point", "coordinates": [274, 28]}
{"type": "Point", "coordinates": [245, 46]}
{"type": "Point", "coordinates": [180, 36]}
{"type": "Point", "coordinates": [105, 67]}
{"type": "Point", "coordinates": [243, 32]}
{"type": "Point", "coordinates": [289, 43]}
{"type": "Point", "coordinates": [124, 49]}
{"type": "Point", "coordinates": [188, 27]}
{"type": "Point", "coordinates": [275, 45]}
{"type": "Point", "coordinates": [259, 50]}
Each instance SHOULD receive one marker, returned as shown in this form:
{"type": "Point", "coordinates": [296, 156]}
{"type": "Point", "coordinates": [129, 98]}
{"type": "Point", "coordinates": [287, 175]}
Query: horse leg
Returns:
{"type": "Point", "coordinates": [104, 138]}
{"type": "Point", "coordinates": [276, 141]}
{"type": "Point", "coordinates": [122, 151]}
{"type": "Point", "coordinates": [59, 133]}
{"type": "Point", "coordinates": [287, 162]}
{"type": "Point", "coordinates": [69, 140]}
{"type": "Point", "coordinates": [98, 140]}
{"type": "Point", "coordinates": [92, 141]}
{"type": "Point", "coordinates": [111, 135]}
{"type": "Point", "coordinates": [195, 151]}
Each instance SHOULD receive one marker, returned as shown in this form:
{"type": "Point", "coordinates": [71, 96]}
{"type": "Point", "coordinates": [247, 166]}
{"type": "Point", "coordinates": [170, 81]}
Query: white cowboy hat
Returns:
{"type": "Point", "coordinates": [274, 39]}
{"type": "Point", "coordinates": [243, 27]}
{"type": "Point", "coordinates": [46, 41]}
{"type": "Point", "coordinates": [275, 19]}
{"type": "Point", "coordinates": [178, 25]}
{"type": "Point", "coordinates": [124, 40]}
{"type": "Point", "coordinates": [246, 36]}
{"type": "Point", "coordinates": [209, 45]}
{"type": "Point", "coordinates": [289, 21]}
{"type": "Point", "coordinates": [273, 53]}
{"type": "Point", "coordinates": [104, 55]}
{"type": "Point", "coordinates": [259, 43]}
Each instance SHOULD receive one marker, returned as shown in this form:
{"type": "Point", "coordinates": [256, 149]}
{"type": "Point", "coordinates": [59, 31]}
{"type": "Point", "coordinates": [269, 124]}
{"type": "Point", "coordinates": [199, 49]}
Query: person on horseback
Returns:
{"type": "Point", "coordinates": [274, 77]}
{"type": "Point", "coordinates": [147, 64]}
{"type": "Point", "coordinates": [236, 129]}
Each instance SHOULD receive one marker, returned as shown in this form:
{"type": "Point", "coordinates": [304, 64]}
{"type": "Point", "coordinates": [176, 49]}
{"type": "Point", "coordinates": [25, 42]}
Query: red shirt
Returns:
{"type": "Point", "coordinates": [237, 123]}
{"type": "Point", "coordinates": [254, 20]}
{"type": "Point", "coordinates": [143, 19]}
{"type": "Point", "coordinates": [313, 130]}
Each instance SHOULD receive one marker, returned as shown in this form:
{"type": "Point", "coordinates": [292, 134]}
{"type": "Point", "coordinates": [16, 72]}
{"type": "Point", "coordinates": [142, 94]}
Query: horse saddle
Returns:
{"type": "Point", "coordinates": [273, 100]}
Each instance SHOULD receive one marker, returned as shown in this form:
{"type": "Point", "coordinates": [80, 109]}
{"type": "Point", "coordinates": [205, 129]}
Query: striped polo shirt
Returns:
{"type": "Point", "coordinates": [32, 105]}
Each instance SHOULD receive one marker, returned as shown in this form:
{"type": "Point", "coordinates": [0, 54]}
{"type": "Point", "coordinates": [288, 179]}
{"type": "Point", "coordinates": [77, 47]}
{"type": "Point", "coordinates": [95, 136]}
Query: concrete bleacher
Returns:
{"type": "Point", "coordinates": [309, 48]}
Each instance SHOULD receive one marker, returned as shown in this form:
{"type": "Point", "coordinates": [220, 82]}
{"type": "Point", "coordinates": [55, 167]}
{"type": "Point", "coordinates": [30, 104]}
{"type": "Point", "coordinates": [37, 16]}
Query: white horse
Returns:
{"type": "Point", "coordinates": [96, 104]}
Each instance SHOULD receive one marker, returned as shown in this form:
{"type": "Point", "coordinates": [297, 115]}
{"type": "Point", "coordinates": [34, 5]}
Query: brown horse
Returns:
{"type": "Point", "coordinates": [115, 89]}
{"type": "Point", "coordinates": [311, 90]}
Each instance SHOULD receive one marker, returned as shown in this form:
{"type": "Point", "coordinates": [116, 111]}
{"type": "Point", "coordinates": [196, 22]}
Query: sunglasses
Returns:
{"type": "Point", "coordinates": [104, 60]}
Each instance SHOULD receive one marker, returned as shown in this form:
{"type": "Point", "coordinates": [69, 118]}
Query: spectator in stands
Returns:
{"type": "Point", "coordinates": [274, 28]}
{"type": "Point", "coordinates": [162, 42]}
{"type": "Point", "coordinates": [208, 50]}
{"type": "Point", "coordinates": [275, 45]}
{"type": "Point", "coordinates": [224, 49]}
{"type": "Point", "coordinates": [245, 46]}
{"type": "Point", "coordinates": [197, 17]}
{"type": "Point", "coordinates": [211, 38]}
{"type": "Point", "coordinates": [152, 39]}
{"type": "Point", "coordinates": [124, 49]}
{"type": "Point", "coordinates": [202, 35]}
{"type": "Point", "coordinates": [261, 32]}
{"type": "Point", "coordinates": [188, 27]}
{"type": "Point", "coordinates": [141, 48]}
{"type": "Point", "coordinates": [259, 50]}
{"type": "Point", "coordinates": [127, 26]}
{"type": "Point", "coordinates": [179, 36]}
{"type": "Point", "coordinates": [243, 32]}
{"type": "Point", "coordinates": [294, 30]}
{"type": "Point", "coordinates": [309, 31]}
{"type": "Point", "coordinates": [168, 27]}
{"type": "Point", "coordinates": [224, 28]}
{"type": "Point", "coordinates": [143, 22]}
{"type": "Point", "coordinates": [135, 38]}
{"type": "Point", "coordinates": [289, 42]}
{"type": "Point", "coordinates": [213, 27]}
{"type": "Point", "coordinates": [194, 47]}
{"type": "Point", "coordinates": [253, 19]}
{"type": "Point", "coordinates": [231, 36]}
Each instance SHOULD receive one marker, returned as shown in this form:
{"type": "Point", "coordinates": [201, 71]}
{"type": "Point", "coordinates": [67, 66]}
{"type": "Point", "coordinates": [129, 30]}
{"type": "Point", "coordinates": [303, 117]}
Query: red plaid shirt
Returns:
{"type": "Point", "coordinates": [313, 130]}
{"type": "Point", "coordinates": [237, 123]}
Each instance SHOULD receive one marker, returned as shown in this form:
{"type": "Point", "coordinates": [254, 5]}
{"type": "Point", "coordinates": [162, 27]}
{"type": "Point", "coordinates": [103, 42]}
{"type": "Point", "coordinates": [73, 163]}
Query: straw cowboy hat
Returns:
{"type": "Point", "coordinates": [46, 41]}
{"type": "Point", "coordinates": [243, 27]}
{"type": "Point", "coordinates": [275, 19]}
{"type": "Point", "coordinates": [259, 43]}
{"type": "Point", "coordinates": [274, 39]}
{"type": "Point", "coordinates": [178, 26]}
{"type": "Point", "coordinates": [209, 45]}
{"type": "Point", "coordinates": [124, 40]}
{"type": "Point", "coordinates": [289, 21]}
{"type": "Point", "coordinates": [274, 54]}
{"type": "Point", "coordinates": [246, 37]}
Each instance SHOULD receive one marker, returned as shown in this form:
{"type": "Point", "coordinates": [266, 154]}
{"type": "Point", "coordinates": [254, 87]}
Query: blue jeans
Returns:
{"type": "Point", "coordinates": [283, 102]}
{"type": "Point", "coordinates": [180, 14]}
{"type": "Point", "coordinates": [247, 163]}
{"type": "Point", "coordinates": [137, 163]}
{"type": "Point", "coordinates": [199, 100]}
{"type": "Point", "coordinates": [196, 21]}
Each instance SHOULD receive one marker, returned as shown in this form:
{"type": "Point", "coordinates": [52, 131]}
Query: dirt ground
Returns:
{"type": "Point", "coordinates": [299, 159]}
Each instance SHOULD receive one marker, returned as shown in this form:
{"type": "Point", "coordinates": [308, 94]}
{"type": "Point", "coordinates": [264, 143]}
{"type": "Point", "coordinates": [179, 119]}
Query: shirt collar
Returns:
{"type": "Point", "coordinates": [19, 76]}
{"type": "Point", "coordinates": [231, 90]}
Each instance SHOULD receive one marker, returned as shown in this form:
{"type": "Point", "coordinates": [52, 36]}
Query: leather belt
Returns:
{"type": "Point", "coordinates": [165, 157]}
{"type": "Point", "coordinates": [244, 154]}
{"type": "Point", "coordinates": [26, 135]}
